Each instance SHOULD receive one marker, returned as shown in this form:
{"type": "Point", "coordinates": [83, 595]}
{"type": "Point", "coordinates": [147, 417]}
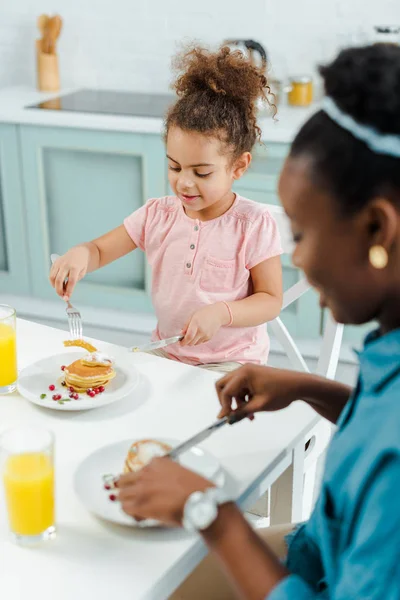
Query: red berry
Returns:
{"type": "Point", "coordinates": [71, 395]}
{"type": "Point", "coordinates": [89, 390]}
{"type": "Point", "coordinates": [63, 368]}
{"type": "Point", "coordinates": [57, 397]}
{"type": "Point", "coordinates": [52, 387]}
{"type": "Point", "coordinates": [71, 389]}
{"type": "Point", "coordinates": [107, 486]}
{"type": "Point", "coordinates": [92, 394]}
{"type": "Point", "coordinates": [112, 497]}
{"type": "Point", "coordinates": [76, 396]}
{"type": "Point", "coordinates": [101, 389]}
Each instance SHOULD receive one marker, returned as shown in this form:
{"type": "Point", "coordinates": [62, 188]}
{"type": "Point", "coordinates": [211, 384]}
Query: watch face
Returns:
{"type": "Point", "coordinates": [200, 511]}
{"type": "Point", "coordinates": [203, 514]}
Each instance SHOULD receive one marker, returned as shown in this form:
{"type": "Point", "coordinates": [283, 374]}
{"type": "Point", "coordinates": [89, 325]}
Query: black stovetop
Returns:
{"type": "Point", "coordinates": [111, 103]}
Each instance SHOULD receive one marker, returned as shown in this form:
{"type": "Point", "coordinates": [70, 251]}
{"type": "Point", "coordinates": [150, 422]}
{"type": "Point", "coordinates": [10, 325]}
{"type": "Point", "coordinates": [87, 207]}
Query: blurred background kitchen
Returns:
{"type": "Point", "coordinates": [79, 145]}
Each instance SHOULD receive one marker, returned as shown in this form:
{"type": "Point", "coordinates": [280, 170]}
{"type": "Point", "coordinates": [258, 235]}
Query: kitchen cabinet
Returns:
{"type": "Point", "coordinates": [60, 186]}
{"type": "Point", "coordinates": [79, 184]}
{"type": "Point", "coordinates": [14, 272]}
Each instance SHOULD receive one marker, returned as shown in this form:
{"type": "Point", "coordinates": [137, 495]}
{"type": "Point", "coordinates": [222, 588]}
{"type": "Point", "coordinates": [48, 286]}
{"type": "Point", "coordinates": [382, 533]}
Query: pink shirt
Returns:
{"type": "Point", "coordinates": [195, 263]}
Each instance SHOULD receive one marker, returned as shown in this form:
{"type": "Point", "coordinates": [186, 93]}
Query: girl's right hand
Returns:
{"type": "Point", "coordinates": [72, 265]}
{"type": "Point", "coordinates": [255, 388]}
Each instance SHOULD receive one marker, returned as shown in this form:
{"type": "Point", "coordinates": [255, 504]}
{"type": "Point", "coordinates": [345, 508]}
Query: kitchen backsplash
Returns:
{"type": "Point", "coordinates": [125, 44]}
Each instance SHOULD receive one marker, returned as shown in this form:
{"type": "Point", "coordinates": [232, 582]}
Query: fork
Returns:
{"type": "Point", "coordinates": [73, 315]}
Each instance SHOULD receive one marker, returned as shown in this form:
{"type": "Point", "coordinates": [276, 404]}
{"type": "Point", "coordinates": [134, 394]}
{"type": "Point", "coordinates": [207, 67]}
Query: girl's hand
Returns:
{"type": "Point", "coordinates": [255, 388]}
{"type": "Point", "coordinates": [73, 264]}
{"type": "Point", "coordinates": [159, 491]}
{"type": "Point", "coordinates": [205, 323]}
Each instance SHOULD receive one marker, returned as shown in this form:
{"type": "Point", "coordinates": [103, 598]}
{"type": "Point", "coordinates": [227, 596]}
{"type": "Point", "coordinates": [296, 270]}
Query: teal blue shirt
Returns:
{"type": "Point", "coordinates": [350, 547]}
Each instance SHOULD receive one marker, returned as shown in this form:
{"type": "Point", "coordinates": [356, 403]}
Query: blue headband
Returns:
{"type": "Point", "coordinates": [381, 143]}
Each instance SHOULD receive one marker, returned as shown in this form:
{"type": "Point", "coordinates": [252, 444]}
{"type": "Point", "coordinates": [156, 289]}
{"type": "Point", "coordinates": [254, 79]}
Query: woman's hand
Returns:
{"type": "Point", "coordinates": [72, 265]}
{"type": "Point", "coordinates": [159, 491]}
{"type": "Point", "coordinates": [205, 323]}
{"type": "Point", "coordinates": [255, 388]}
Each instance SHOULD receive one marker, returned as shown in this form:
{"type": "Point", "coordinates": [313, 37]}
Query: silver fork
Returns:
{"type": "Point", "coordinates": [74, 316]}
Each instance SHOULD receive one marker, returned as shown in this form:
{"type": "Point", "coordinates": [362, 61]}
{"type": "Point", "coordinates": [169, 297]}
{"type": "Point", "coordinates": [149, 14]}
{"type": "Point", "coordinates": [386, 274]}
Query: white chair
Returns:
{"type": "Point", "coordinates": [306, 464]}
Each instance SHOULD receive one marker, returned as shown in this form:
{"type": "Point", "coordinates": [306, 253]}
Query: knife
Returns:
{"type": "Point", "coordinates": [157, 345]}
{"type": "Point", "coordinates": [201, 436]}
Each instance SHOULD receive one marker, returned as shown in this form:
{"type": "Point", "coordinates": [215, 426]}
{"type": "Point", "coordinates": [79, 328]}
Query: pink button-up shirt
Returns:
{"type": "Point", "coordinates": [195, 263]}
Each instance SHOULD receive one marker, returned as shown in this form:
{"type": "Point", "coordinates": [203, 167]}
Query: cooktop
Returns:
{"type": "Point", "coordinates": [111, 103]}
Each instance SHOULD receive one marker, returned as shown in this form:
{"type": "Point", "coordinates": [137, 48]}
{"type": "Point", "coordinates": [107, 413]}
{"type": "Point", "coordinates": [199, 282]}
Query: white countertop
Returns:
{"type": "Point", "coordinates": [96, 559]}
{"type": "Point", "coordinates": [13, 103]}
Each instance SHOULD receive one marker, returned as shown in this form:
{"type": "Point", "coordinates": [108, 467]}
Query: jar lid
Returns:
{"type": "Point", "coordinates": [387, 29]}
{"type": "Point", "coordinates": [301, 79]}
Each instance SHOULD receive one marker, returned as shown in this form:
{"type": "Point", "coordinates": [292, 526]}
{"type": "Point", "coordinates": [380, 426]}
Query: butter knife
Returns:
{"type": "Point", "coordinates": [157, 345]}
{"type": "Point", "coordinates": [201, 436]}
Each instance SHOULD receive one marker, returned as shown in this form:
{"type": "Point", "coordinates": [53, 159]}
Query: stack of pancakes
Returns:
{"type": "Point", "coordinates": [143, 452]}
{"type": "Point", "coordinates": [84, 374]}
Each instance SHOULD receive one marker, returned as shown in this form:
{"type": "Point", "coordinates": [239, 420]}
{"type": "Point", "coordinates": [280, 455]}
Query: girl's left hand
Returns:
{"type": "Point", "coordinates": [159, 491]}
{"type": "Point", "coordinates": [205, 323]}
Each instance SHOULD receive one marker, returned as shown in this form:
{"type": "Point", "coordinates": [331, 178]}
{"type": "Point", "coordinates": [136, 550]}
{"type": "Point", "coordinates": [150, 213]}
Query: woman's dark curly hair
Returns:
{"type": "Point", "coordinates": [217, 95]}
{"type": "Point", "coordinates": [365, 83]}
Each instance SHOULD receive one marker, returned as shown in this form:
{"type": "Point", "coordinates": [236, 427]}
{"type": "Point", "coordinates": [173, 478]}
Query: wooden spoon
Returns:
{"type": "Point", "coordinates": [53, 31]}
{"type": "Point", "coordinates": [58, 22]}
{"type": "Point", "coordinates": [42, 26]}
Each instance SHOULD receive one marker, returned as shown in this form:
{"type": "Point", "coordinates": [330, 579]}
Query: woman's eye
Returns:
{"type": "Point", "coordinates": [297, 237]}
{"type": "Point", "coordinates": [176, 169]}
{"type": "Point", "coordinates": [202, 174]}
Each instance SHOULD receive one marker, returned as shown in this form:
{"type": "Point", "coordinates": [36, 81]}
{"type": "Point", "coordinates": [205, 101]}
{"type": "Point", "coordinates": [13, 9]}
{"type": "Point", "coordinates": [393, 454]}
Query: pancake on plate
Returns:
{"type": "Point", "coordinates": [142, 452]}
{"type": "Point", "coordinates": [91, 371]}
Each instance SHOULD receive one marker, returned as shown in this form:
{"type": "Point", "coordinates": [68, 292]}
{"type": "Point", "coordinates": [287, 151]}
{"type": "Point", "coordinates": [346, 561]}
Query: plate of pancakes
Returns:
{"type": "Point", "coordinates": [79, 380]}
{"type": "Point", "coordinates": [94, 476]}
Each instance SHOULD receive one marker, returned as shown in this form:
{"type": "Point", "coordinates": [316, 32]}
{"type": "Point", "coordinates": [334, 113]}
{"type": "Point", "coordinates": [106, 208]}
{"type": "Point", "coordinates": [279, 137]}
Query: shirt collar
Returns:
{"type": "Point", "coordinates": [379, 360]}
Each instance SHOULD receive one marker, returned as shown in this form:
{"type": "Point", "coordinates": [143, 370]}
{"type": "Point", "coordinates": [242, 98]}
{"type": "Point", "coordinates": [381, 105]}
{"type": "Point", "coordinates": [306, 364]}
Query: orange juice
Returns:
{"type": "Point", "coordinates": [29, 487]}
{"type": "Point", "coordinates": [8, 355]}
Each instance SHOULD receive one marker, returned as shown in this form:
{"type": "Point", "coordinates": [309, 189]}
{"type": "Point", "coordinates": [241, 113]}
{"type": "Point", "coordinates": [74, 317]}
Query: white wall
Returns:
{"type": "Point", "coordinates": [128, 43]}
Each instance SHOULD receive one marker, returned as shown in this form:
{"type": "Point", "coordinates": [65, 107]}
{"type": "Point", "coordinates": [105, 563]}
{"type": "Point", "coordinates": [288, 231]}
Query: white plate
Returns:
{"type": "Point", "coordinates": [35, 380]}
{"type": "Point", "coordinates": [89, 485]}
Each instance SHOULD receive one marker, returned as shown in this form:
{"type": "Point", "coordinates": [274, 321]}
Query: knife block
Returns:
{"type": "Point", "coordinates": [48, 77]}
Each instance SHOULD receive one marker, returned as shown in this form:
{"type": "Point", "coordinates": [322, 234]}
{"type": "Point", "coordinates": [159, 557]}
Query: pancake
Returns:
{"type": "Point", "coordinates": [142, 452]}
{"type": "Point", "coordinates": [84, 374]}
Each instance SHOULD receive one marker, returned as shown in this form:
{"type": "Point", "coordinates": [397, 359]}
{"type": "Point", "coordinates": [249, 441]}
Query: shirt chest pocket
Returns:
{"type": "Point", "coordinates": [222, 275]}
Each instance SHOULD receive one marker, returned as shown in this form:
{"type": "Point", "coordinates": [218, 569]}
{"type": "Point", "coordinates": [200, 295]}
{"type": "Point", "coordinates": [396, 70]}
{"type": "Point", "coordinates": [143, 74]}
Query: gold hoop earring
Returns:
{"type": "Point", "coordinates": [378, 257]}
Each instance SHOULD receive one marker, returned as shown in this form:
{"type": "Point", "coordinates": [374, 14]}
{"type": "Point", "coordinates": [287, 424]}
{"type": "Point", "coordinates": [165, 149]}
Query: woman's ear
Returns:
{"type": "Point", "coordinates": [241, 165]}
{"type": "Point", "coordinates": [383, 222]}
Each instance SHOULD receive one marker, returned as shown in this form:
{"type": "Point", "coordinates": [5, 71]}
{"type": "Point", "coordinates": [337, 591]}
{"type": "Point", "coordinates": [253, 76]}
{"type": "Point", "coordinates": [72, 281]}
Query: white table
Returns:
{"type": "Point", "coordinates": [94, 559]}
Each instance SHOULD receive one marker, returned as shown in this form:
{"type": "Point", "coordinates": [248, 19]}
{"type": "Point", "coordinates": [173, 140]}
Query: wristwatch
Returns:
{"type": "Point", "coordinates": [201, 508]}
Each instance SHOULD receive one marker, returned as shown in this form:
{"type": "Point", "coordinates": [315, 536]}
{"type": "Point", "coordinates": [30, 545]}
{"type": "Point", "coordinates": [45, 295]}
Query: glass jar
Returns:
{"type": "Point", "coordinates": [300, 91]}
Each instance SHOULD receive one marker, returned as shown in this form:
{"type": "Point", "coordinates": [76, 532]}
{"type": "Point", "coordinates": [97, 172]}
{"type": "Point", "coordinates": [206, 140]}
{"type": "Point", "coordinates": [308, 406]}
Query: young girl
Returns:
{"type": "Point", "coordinates": [214, 255]}
{"type": "Point", "coordinates": [341, 190]}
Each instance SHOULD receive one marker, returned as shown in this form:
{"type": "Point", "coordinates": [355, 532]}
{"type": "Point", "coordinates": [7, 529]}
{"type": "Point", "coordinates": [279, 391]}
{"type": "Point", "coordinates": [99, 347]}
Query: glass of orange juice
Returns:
{"type": "Point", "coordinates": [28, 477]}
{"type": "Point", "coordinates": [8, 350]}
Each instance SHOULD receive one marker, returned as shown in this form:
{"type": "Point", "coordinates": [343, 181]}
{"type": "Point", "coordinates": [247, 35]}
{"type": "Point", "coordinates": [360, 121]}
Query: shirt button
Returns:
{"type": "Point", "coordinates": [196, 227]}
{"type": "Point", "coordinates": [188, 265]}
{"type": "Point", "coordinates": [192, 246]}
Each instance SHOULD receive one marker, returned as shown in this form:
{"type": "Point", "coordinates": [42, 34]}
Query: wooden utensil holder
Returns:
{"type": "Point", "coordinates": [48, 77]}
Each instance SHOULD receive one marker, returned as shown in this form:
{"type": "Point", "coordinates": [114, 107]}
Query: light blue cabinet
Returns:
{"type": "Point", "coordinates": [60, 186]}
{"type": "Point", "coordinates": [80, 184]}
{"type": "Point", "coordinates": [14, 272]}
